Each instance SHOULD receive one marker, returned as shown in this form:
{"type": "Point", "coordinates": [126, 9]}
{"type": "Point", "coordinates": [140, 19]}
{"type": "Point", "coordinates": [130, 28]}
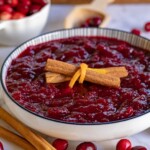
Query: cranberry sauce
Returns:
{"type": "Point", "coordinates": [87, 102]}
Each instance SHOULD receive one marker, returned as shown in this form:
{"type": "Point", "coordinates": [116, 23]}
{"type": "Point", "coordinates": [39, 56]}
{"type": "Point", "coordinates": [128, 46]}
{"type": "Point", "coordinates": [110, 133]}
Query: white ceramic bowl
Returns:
{"type": "Point", "coordinates": [14, 32]}
{"type": "Point", "coordinates": [73, 131]}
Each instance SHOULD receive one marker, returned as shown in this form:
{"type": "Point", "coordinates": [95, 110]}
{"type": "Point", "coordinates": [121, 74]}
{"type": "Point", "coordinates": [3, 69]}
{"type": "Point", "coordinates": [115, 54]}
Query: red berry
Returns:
{"type": "Point", "coordinates": [86, 146]}
{"type": "Point", "coordinates": [1, 146]}
{"type": "Point", "coordinates": [139, 148]}
{"type": "Point", "coordinates": [94, 22]}
{"type": "Point", "coordinates": [24, 9]}
{"type": "Point", "coordinates": [136, 31]}
{"type": "Point", "coordinates": [17, 15]}
{"type": "Point", "coordinates": [147, 27]}
{"type": "Point", "coordinates": [35, 9]}
{"type": "Point", "coordinates": [5, 15]}
{"type": "Point", "coordinates": [25, 2]}
{"type": "Point", "coordinates": [60, 144]}
{"type": "Point", "coordinates": [1, 2]}
{"type": "Point", "coordinates": [12, 3]}
{"type": "Point", "coordinates": [123, 144]}
{"type": "Point", "coordinates": [6, 8]}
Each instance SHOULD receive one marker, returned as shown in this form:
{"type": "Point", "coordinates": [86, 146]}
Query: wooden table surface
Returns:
{"type": "Point", "coordinates": [88, 1]}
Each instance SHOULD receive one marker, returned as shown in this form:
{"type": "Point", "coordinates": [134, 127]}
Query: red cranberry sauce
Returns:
{"type": "Point", "coordinates": [87, 102]}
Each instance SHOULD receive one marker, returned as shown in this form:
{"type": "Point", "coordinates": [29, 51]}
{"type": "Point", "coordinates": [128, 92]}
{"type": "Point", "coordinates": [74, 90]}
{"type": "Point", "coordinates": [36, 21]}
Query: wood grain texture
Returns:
{"type": "Point", "coordinates": [88, 1]}
{"type": "Point", "coordinates": [132, 1]}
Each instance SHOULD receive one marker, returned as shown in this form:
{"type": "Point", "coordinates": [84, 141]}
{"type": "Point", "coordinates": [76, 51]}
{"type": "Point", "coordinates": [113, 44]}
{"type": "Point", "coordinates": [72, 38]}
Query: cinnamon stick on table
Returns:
{"type": "Point", "coordinates": [111, 78]}
{"type": "Point", "coordinates": [16, 139]}
{"type": "Point", "coordinates": [29, 135]}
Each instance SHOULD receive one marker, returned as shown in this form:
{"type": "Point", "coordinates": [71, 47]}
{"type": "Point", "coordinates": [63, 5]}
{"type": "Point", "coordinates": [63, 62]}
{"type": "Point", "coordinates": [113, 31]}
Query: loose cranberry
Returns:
{"type": "Point", "coordinates": [60, 144]}
{"type": "Point", "coordinates": [147, 27]}
{"type": "Point", "coordinates": [12, 3]}
{"type": "Point", "coordinates": [86, 146]}
{"type": "Point", "coordinates": [6, 8]}
{"type": "Point", "coordinates": [24, 9]}
{"type": "Point", "coordinates": [1, 2]}
{"type": "Point", "coordinates": [35, 9]}
{"type": "Point", "coordinates": [123, 144]}
{"type": "Point", "coordinates": [1, 146]}
{"type": "Point", "coordinates": [5, 15]}
{"type": "Point", "coordinates": [136, 31]}
{"type": "Point", "coordinates": [17, 15]}
{"type": "Point", "coordinates": [139, 148]}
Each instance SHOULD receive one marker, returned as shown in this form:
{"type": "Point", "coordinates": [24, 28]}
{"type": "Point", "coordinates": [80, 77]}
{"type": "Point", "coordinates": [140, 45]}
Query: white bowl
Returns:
{"type": "Point", "coordinates": [14, 32]}
{"type": "Point", "coordinates": [74, 131]}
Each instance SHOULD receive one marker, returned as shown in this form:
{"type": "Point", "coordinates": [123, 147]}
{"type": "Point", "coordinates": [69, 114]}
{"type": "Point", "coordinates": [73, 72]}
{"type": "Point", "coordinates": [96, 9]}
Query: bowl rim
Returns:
{"type": "Point", "coordinates": [60, 121]}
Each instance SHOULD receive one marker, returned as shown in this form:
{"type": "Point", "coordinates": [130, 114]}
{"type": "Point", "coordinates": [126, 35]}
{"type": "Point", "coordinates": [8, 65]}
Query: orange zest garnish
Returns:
{"type": "Point", "coordinates": [83, 68]}
{"type": "Point", "coordinates": [74, 78]}
{"type": "Point", "coordinates": [81, 72]}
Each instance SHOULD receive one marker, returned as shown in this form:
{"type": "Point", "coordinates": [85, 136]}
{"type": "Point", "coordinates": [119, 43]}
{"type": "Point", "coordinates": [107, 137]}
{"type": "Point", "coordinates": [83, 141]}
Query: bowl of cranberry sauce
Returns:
{"type": "Point", "coordinates": [90, 109]}
{"type": "Point", "coordinates": [21, 18]}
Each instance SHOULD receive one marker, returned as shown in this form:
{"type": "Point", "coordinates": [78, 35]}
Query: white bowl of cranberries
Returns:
{"type": "Point", "coordinates": [21, 20]}
{"type": "Point", "coordinates": [87, 111]}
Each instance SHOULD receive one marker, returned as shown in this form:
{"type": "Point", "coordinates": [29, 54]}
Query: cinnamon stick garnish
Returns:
{"type": "Point", "coordinates": [110, 78]}
{"type": "Point", "coordinates": [56, 77]}
{"type": "Point", "coordinates": [51, 77]}
{"type": "Point", "coordinates": [30, 136]}
{"type": "Point", "coordinates": [16, 139]}
{"type": "Point", "coordinates": [119, 72]}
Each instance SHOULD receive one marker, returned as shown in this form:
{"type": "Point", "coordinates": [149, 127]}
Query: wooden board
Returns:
{"type": "Point", "coordinates": [132, 1]}
{"type": "Point", "coordinates": [88, 1]}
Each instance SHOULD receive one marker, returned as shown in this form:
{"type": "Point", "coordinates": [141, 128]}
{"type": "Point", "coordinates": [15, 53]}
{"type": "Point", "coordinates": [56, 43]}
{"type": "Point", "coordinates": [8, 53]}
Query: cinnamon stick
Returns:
{"type": "Point", "coordinates": [45, 142]}
{"type": "Point", "coordinates": [16, 139]}
{"type": "Point", "coordinates": [56, 77]}
{"type": "Point", "coordinates": [119, 72]}
{"type": "Point", "coordinates": [24, 131]}
{"type": "Point", "coordinates": [63, 68]}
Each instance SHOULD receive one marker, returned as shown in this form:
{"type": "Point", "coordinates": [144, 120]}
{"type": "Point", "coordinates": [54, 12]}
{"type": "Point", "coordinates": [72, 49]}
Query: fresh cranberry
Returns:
{"type": "Point", "coordinates": [25, 2]}
{"type": "Point", "coordinates": [17, 15]}
{"type": "Point", "coordinates": [1, 146]}
{"type": "Point", "coordinates": [60, 144]}
{"type": "Point", "coordinates": [1, 2]}
{"type": "Point", "coordinates": [139, 148]}
{"type": "Point", "coordinates": [94, 21]}
{"type": "Point", "coordinates": [123, 144]}
{"type": "Point", "coordinates": [5, 15]}
{"type": "Point", "coordinates": [24, 9]}
{"type": "Point", "coordinates": [12, 3]}
{"type": "Point", "coordinates": [86, 146]}
{"type": "Point", "coordinates": [34, 9]}
{"type": "Point", "coordinates": [147, 27]}
{"type": "Point", "coordinates": [6, 8]}
{"type": "Point", "coordinates": [136, 31]}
